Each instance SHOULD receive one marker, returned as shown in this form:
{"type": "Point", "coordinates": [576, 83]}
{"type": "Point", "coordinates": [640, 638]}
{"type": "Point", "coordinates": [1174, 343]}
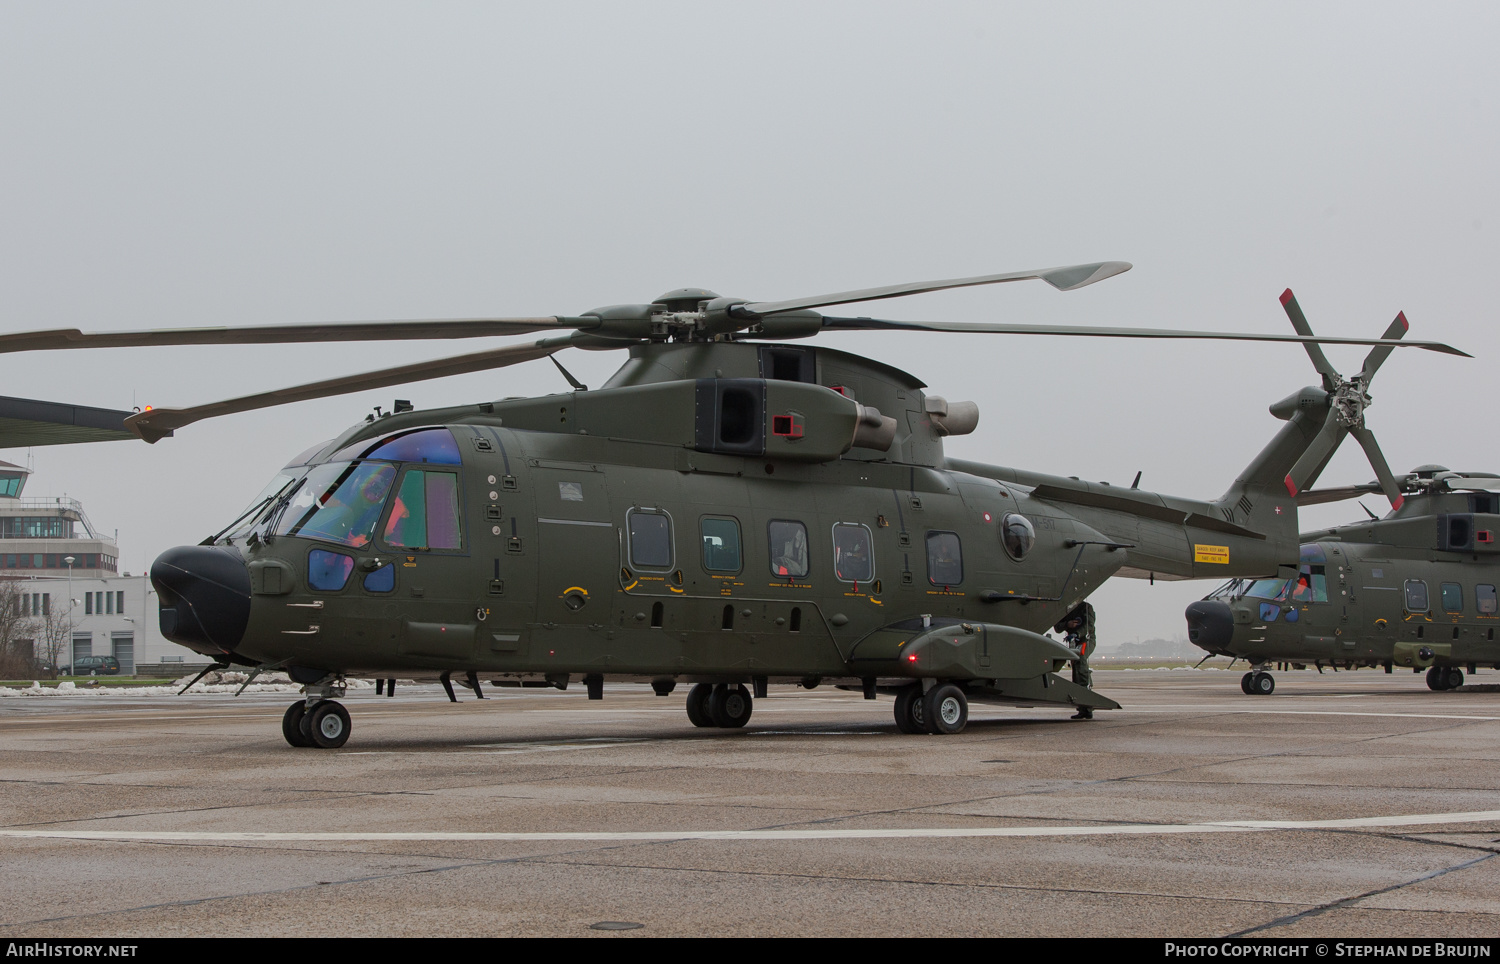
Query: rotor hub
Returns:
{"type": "Point", "coordinates": [1349, 401]}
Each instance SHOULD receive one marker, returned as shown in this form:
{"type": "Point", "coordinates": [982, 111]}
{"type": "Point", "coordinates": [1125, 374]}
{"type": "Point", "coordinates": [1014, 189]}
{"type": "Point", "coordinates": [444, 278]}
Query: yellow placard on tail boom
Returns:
{"type": "Point", "coordinates": [1219, 554]}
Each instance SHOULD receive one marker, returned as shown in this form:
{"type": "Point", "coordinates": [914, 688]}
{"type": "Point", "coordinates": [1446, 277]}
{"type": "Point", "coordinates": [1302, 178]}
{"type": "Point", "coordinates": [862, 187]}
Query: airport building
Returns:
{"type": "Point", "coordinates": [62, 582]}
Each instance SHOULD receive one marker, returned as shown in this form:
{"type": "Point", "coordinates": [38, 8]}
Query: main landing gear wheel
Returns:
{"type": "Point", "coordinates": [1445, 678]}
{"type": "Point", "coordinates": [1245, 683]}
{"type": "Point", "coordinates": [291, 725]}
{"type": "Point", "coordinates": [697, 704]}
{"type": "Point", "coordinates": [327, 725]}
{"type": "Point", "coordinates": [1262, 684]}
{"type": "Point", "coordinates": [946, 709]}
{"type": "Point", "coordinates": [730, 705]}
{"type": "Point", "coordinates": [909, 713]}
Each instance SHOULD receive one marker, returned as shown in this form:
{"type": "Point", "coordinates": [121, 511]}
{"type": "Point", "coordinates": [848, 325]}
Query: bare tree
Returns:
{"type": "Point", "coordinates": [18, 632]}
{"type": "Point", "coordinates": [52, 632]}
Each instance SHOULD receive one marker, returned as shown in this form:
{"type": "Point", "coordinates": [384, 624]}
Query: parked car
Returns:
{"type": "Point", "coordinates": [92, 666]}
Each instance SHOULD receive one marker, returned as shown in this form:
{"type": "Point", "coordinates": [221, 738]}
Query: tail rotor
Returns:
{"type": "Point", "coordinates": [1347, 400]}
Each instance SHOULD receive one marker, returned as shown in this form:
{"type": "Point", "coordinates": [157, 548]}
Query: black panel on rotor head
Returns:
{"type": "Point", "coordinates": [730, 416]}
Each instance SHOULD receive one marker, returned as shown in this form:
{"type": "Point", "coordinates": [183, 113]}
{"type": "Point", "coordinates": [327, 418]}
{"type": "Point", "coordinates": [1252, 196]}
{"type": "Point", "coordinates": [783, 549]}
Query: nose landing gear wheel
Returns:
{"type": "Point", "coordinates": [909, 718]}
{"type": "Point", "coordinates": [1245, 683]}
{"type": "Point", "coordinates": [730, 705]}
{"type": "Point", "coordinates": [697, 704]}
{"type": "Point", "coordinates": [327, 725]}
{"type": "Point", "coordinates": [946, 709]}
{"type": "Point", "coordinates": [291, 725]}
{"type": "Point", "coordinates": [1262, 684]}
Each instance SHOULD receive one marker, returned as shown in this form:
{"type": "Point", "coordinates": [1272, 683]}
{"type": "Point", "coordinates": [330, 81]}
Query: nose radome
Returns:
{"type": "Point", "coordinates": [205, 597]}
{"type": "Point", "coordinates": [1210, 624]}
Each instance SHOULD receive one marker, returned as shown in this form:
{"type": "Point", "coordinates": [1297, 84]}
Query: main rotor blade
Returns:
{"type": "Point", "coordinates": [157, 423]}
{"type": "Point", "coordinates": [1306, 469]}
{"type": "Point", "coordinates": [62, 338]}
{"type": "Point", "coordinates": [1378, 354]}
{"type": "Point", "coordinates": [1063, 279]}
{"type": "Point", "coordinates": [1388, 483]}
{"type": "Point", "coordinates": [1476, 483]}
{"type": "Point", "coordinates": [1320, 496]}
{"type": "Point", "coordinates": [831, 323]}
{"type": "Point", "coordinates": [1299, 322]}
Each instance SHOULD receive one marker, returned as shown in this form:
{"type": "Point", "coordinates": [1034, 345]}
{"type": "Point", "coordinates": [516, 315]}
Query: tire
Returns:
{"type": "Point", "coordinates": [1454, 678]}
{"type": "Point", "coordinates": [1436, 679]}
{"type": "Point", "coordinates": [1264, 684]}
{"type": "Point", "coordinates": [291, 725]}
{"type": "Point", "coordinates": [328, 725]}
{"type": "Point", "coordinates": [909, 717]}
{"type": "Point", "coordinates": [1245, 684]}
{"type": "Point", "coordinates": [697, 704]}
{"type": "Point", "coordinates": [730, 705]}
{"type": "Point", "coordinates": [945, 709]}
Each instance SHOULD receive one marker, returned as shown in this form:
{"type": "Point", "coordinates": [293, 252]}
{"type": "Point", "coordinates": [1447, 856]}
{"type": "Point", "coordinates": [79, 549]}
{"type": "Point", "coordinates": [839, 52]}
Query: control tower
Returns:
{"type": "Point", "coordinates": [38, 535]}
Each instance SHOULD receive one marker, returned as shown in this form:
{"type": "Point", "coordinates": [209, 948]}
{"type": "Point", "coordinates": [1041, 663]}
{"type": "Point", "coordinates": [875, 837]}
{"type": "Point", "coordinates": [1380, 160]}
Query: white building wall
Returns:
{"type": "Point", "coordinates": [139, 620]}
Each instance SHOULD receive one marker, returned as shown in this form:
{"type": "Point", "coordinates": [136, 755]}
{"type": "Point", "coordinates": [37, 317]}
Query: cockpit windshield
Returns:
{"type": "Point", "coordinates": [339, 502]}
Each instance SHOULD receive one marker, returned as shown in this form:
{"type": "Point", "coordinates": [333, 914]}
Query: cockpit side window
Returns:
{"type": "Point", "coordinates": [1310, 586]}
{"type": "Point", "coordinates": [425, 512]}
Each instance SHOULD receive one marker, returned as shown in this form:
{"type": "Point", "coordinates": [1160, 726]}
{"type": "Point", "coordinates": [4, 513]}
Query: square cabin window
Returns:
{"type": "Point", "coordinates": [853, 554]}
{"type": "Point", "coordinates": [1453, 597]}
{"type": "Point", "coordinates": [945, 559]}
{"type": "Point", "coordinates": [1484, 600]}
{"type": "Point", "coordinates": [788, 545]}
{"type": "Point", "coordinates": [721, 545]}
{"type": "Point", "coordinates": [650, 538]}
{"type": "Point", "coordinates": [1416, 596]}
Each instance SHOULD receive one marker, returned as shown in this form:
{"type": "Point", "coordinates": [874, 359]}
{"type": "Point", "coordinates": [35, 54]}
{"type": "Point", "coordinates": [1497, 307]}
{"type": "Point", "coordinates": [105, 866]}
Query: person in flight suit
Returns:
{"type": "Point", "coordinates": [1077, 628]}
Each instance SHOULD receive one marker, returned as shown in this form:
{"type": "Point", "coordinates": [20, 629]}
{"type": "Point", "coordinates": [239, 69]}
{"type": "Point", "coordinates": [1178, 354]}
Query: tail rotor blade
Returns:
{"type": "Point", "coordinates": [1314, 351]}
{"type": "Point", "coordinates": [1388, 483]}
{"type": "Point", "coordinates": [1305, 472]}
{"type": "Point", "coordinates": [1380, 353]}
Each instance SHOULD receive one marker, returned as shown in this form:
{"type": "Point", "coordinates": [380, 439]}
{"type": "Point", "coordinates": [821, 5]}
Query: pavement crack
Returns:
{"type": "Point", "coordinates": [1349, 901]}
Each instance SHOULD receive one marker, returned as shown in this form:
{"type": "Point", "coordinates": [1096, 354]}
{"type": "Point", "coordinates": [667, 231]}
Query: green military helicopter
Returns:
{"type": "Point", "coordinates": [730, 510]}
{"type": "Point", "coordinates": [1362, 594]}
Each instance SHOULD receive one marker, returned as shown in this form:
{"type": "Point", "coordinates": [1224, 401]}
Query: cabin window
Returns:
{"type": "Point", "coordinates": [945, 559]}
{"type": "Point", "coordinates": [425, 512]}
{"type": "Point", "coordinates": [1484, 600]}
{"type": "Point", "coordinates": [721, 544]}
{"type": "Point", "coordinates": [650, 538]}
{"type": "Point", "coordinates": [853, 554]}
{"type": "Point", "coordinates": [1453, 597]}
{"type": "Point", "coordinates": [788, 548]}
{"type": "Point", "coordinates": [1416, 596]}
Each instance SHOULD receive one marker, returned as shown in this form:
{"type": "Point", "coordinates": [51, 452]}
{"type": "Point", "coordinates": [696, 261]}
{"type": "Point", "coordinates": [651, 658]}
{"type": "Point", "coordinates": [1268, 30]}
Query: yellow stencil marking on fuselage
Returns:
{"type": "Point", "coordinates": [1214, 554]}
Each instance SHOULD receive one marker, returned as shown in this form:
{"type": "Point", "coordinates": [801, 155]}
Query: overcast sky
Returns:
{"type": "Point", "coordinates": [180, 164]}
